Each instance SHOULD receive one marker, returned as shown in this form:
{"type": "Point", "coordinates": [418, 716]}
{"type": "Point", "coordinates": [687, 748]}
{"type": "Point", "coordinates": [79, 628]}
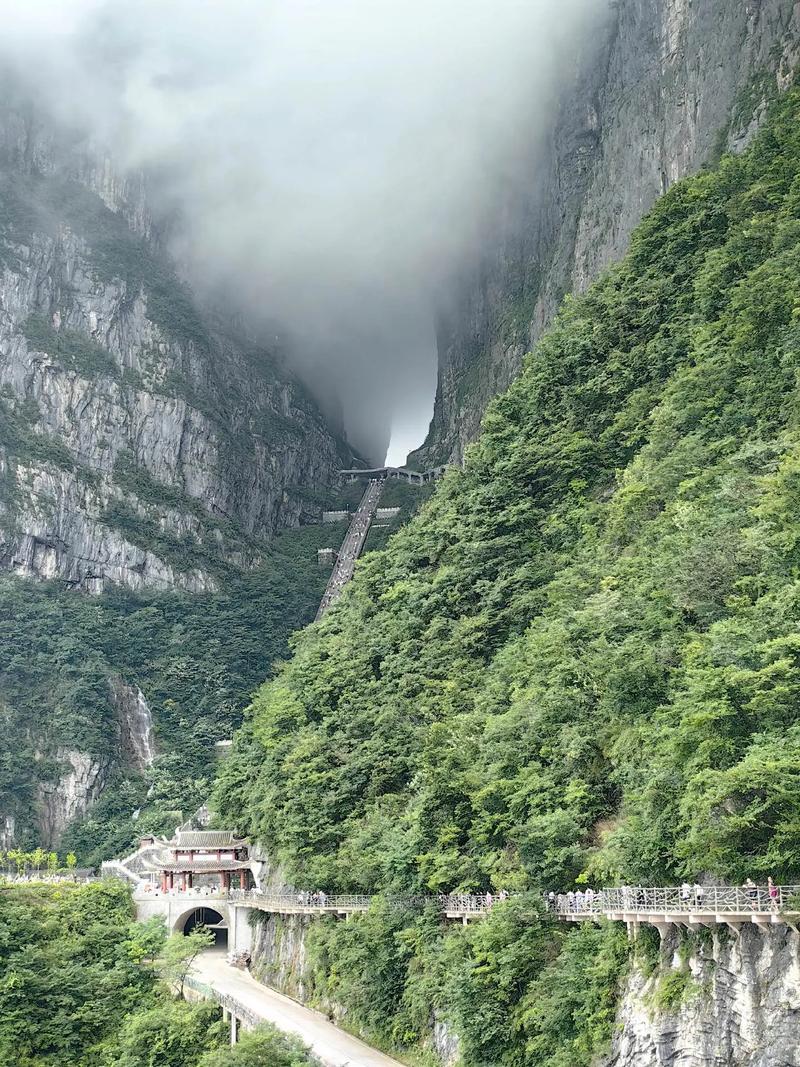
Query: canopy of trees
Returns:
{"type": "Point", "coordinates": [581, 661]}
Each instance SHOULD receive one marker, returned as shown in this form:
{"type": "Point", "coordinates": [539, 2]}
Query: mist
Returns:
{"type": "Point", "coordinates": [329, 164]}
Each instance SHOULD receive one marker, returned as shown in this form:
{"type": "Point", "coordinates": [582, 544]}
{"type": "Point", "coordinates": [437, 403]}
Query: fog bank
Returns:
{"type": "Point", "coordinates": [330, 163]}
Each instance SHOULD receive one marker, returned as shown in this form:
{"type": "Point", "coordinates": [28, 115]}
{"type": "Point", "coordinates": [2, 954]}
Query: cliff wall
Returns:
{"type": "Point", "coordinates": [141, 440]}
{"type": "Point", "coordinates": [670, 86]}
{"type": "Point", "coordinates": [726, 1000]}
{"type": "Point", "coordinates": [147, 447]}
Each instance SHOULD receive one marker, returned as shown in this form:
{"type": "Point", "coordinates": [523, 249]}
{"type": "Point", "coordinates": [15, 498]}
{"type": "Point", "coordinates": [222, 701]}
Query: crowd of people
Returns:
{"type": "Point", "coordinates": [689, 896]}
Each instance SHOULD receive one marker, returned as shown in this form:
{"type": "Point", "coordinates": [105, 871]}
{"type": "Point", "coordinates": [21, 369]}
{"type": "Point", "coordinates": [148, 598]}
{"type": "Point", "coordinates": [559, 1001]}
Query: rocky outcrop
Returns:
{"type": "Point", "coordinates": [279, 952]}
{"type": "Point", "coordinates": [79, 782]}
{"type": "Point", "coordinates": [143, 441]}
{"type": "Point", "coordinates": [738, 1005]}
{"type": "Point", "coordinates": [671, 84]}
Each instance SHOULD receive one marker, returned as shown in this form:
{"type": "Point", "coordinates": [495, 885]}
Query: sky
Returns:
{"type": "Point", "coordinates": [331, 163]}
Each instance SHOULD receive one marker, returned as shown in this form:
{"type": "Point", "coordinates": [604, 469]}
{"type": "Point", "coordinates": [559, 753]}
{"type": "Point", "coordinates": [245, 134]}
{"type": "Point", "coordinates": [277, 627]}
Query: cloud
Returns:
{"type": "Point", "coordinates": [332, 160]}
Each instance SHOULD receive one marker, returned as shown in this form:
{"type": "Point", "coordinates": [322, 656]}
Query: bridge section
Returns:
{"type": "Point", "coordinates": [690, 906]}
{"type": "Point", "coordinates": [352, 546]}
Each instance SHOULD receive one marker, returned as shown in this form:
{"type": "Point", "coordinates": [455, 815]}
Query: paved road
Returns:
{"type": "Point", "coordinates": [332, 1045]}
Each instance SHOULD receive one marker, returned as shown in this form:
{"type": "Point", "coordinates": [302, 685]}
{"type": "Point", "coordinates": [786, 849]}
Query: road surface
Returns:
{"type": "Point", "coordinates": [333, 1046]}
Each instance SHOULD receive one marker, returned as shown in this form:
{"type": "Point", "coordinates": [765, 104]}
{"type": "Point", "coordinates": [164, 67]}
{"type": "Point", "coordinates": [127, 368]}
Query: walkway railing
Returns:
{"type": "Point", "coordinates": [300, 903]}
{"type": "Point", "coordinates": [307, 903]}
{"type": "Point", "coordinates": [702, 900]}
{"type": "Point", "coordinates": [690, 900]}
{"type": "Point", "coordinates": [248, 1017]}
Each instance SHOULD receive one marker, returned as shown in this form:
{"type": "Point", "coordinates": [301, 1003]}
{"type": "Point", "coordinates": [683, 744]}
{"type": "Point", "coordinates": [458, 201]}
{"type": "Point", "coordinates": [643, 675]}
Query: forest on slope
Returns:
{"type": "Point", "coordinates": [83, 985]}
{"type": "Point", "coordinates": [579, 663]}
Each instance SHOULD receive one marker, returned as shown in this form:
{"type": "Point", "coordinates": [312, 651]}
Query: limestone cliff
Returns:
{"type": "Point", "coordinates": [141, 439]}
{"type": "Point", "coordinates": [672, 83]}
{"type": "Point", "coordinates": [735, 1003]}
{"type": "Point", "coordinates": [145, 441]}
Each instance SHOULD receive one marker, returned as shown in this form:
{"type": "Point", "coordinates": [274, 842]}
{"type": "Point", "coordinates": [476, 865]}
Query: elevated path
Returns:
{"type": "Point", "coordinates": [691, 906]}
{"type": "Point", "coordinates": [352, 546]}
{"type": "Point", "coordinates": [401, 474]}
{"type": "Point", "coordinates": [247, 1003]}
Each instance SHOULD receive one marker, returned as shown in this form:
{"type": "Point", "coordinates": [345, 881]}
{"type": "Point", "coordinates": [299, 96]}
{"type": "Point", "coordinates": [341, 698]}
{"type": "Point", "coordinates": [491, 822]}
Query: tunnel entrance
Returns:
{"type": "Point", "coordinates": [212, 920]}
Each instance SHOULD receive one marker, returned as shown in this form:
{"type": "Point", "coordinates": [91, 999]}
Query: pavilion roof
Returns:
{"type": "Point", "coordinates": [210, 866]}
{"type": "Point", "coordinates": [207, 839]}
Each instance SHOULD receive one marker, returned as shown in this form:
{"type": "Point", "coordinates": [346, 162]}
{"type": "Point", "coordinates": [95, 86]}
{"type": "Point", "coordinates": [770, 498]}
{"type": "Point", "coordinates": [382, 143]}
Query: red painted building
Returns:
{"type": "Point", "coordinates": [196, 858]}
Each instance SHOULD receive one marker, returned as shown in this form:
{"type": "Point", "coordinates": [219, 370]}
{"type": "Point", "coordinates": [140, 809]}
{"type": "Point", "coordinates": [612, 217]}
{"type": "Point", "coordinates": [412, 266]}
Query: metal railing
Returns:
{"type": "Point", "coordinates": [689, 900]}
{"type": "Point", "coordinates": [248, 1017]}
{"type": "Point", "coordinates": [304, 902]}
{"type": "Point", "coordinates": [300, 902]}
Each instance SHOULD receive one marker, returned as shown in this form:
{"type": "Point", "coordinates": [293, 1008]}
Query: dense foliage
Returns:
{"type": "Point", "coordinates": [80, 987]}
{"type": "Point", "coordinates": [197, 658]}
{"type": "Point", "coordinates": [581, 660]}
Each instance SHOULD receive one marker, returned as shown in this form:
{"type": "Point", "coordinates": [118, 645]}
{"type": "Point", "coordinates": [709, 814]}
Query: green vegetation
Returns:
{"type": "Point", "coordinates": [580, 661]}
{"type": "Point", "coordinates": [73, 350]}
{"type": "Point", "coordinates": [197, 658]}
{"type": "Point", "coordinates": [19, 437]}
{"type": "Point", "coordinates": [265, 1047]}
{"type": "Point", "coordinates": [80, 987]}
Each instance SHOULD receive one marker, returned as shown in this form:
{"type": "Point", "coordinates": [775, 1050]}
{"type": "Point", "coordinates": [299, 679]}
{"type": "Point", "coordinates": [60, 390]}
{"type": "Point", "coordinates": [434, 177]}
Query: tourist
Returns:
{"type": "Point", "coordinates": [686, 892]}
{"type": "Point", "coordinates": [751, 889]}
{"type": "Point", "coordinates": [774, 894]}
{"type": "Point", "coordinates": [589, 898]}
{"type": "Point", "coordinates": [699, 894]}
{"type": "Point", "coordinates": [551, 900]}
{"type": "Point", "coordinates": [488, 900]}
{"type": "Point", "coordinates": [571, 900]}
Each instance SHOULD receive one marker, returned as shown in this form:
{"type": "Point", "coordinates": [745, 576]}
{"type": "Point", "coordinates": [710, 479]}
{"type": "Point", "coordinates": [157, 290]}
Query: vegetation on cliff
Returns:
{"type": "Point", "coordinates": [580, 662]}
{"type": "Point", "coordinates": [80, 986]}
{"type": "Point", "coordinates": [196, 658]}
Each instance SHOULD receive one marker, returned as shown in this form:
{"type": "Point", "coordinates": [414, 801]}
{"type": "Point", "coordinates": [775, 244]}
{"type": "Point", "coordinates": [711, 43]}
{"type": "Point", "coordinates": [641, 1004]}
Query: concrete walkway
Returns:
{"type": "Point", "coordinates": [333, 1046]}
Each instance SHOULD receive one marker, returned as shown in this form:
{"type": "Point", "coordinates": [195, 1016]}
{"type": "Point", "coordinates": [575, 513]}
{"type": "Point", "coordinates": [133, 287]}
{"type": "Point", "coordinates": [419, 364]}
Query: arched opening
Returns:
{"type": "Point", "coordinates": [212, 920]}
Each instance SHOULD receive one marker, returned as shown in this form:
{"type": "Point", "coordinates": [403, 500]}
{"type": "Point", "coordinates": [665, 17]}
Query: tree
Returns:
{"type": "Point", "coordinates": [72, 861]}
{"type": "Point", "coordinates": [179, 953]}
{"type": "Point", "coordinates": [264, 1047]}
{"type": "Point", "coordinates": [172, 1033]}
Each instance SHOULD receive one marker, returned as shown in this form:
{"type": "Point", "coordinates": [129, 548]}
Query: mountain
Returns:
{"type": "Point", "coordinates": [670, 86]}
{"type": "Point", "coordinates": [150, 452]}
{"type": "Point", "coordinates": [579, 663]}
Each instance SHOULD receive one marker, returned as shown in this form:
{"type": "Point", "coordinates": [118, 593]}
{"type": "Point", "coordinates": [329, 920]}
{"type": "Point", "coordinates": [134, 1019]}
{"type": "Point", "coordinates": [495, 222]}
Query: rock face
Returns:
{"type": "Point", "coordinates": [79, 783]}
{"type": "Point", "coordinates": [141, 438]}
{"type": "Point", "coordinates": [672, 84]}
{"type": "Point", "coordinates": [740, 1007]}
{"type": "Point", "coordinates": [145, 440]}
{"type": "Point", "coordinates": [279, 953]}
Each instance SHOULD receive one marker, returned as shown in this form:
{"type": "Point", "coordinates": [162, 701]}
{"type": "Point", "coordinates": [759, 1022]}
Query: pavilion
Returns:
{"type": "Point", "coordinates": [195, 859]}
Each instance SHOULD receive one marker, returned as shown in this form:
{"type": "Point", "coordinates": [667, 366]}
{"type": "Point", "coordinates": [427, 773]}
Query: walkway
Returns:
{"type": "Point", "coordinates": [456, 906]}
{"type": "Point", "coordinates": [402, 474]}
{"type": "Point", "coordinates": [239, 991]}
{"type": "Point", "coordinates": [352, 546]}
{"type": "Point", "coordinates": [684, 905]}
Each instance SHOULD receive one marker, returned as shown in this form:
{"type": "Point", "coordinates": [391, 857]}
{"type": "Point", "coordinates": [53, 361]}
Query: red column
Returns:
{"type": "Point", "coordinates": [189, 878]}
{"type": "Point", "coordinates": [183, 881]}
{"type": "Point", "coordinates": [241, 880]}
{"type": "Point", "coordinates": [163, 881]}
{"type": "Point", "coordinates": [171, 880]}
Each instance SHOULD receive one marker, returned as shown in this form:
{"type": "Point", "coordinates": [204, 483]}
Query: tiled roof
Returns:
{"type": "Point", "coordinates": [204, 839]}
{"type": "Point", "coordinates": [206, 867]}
